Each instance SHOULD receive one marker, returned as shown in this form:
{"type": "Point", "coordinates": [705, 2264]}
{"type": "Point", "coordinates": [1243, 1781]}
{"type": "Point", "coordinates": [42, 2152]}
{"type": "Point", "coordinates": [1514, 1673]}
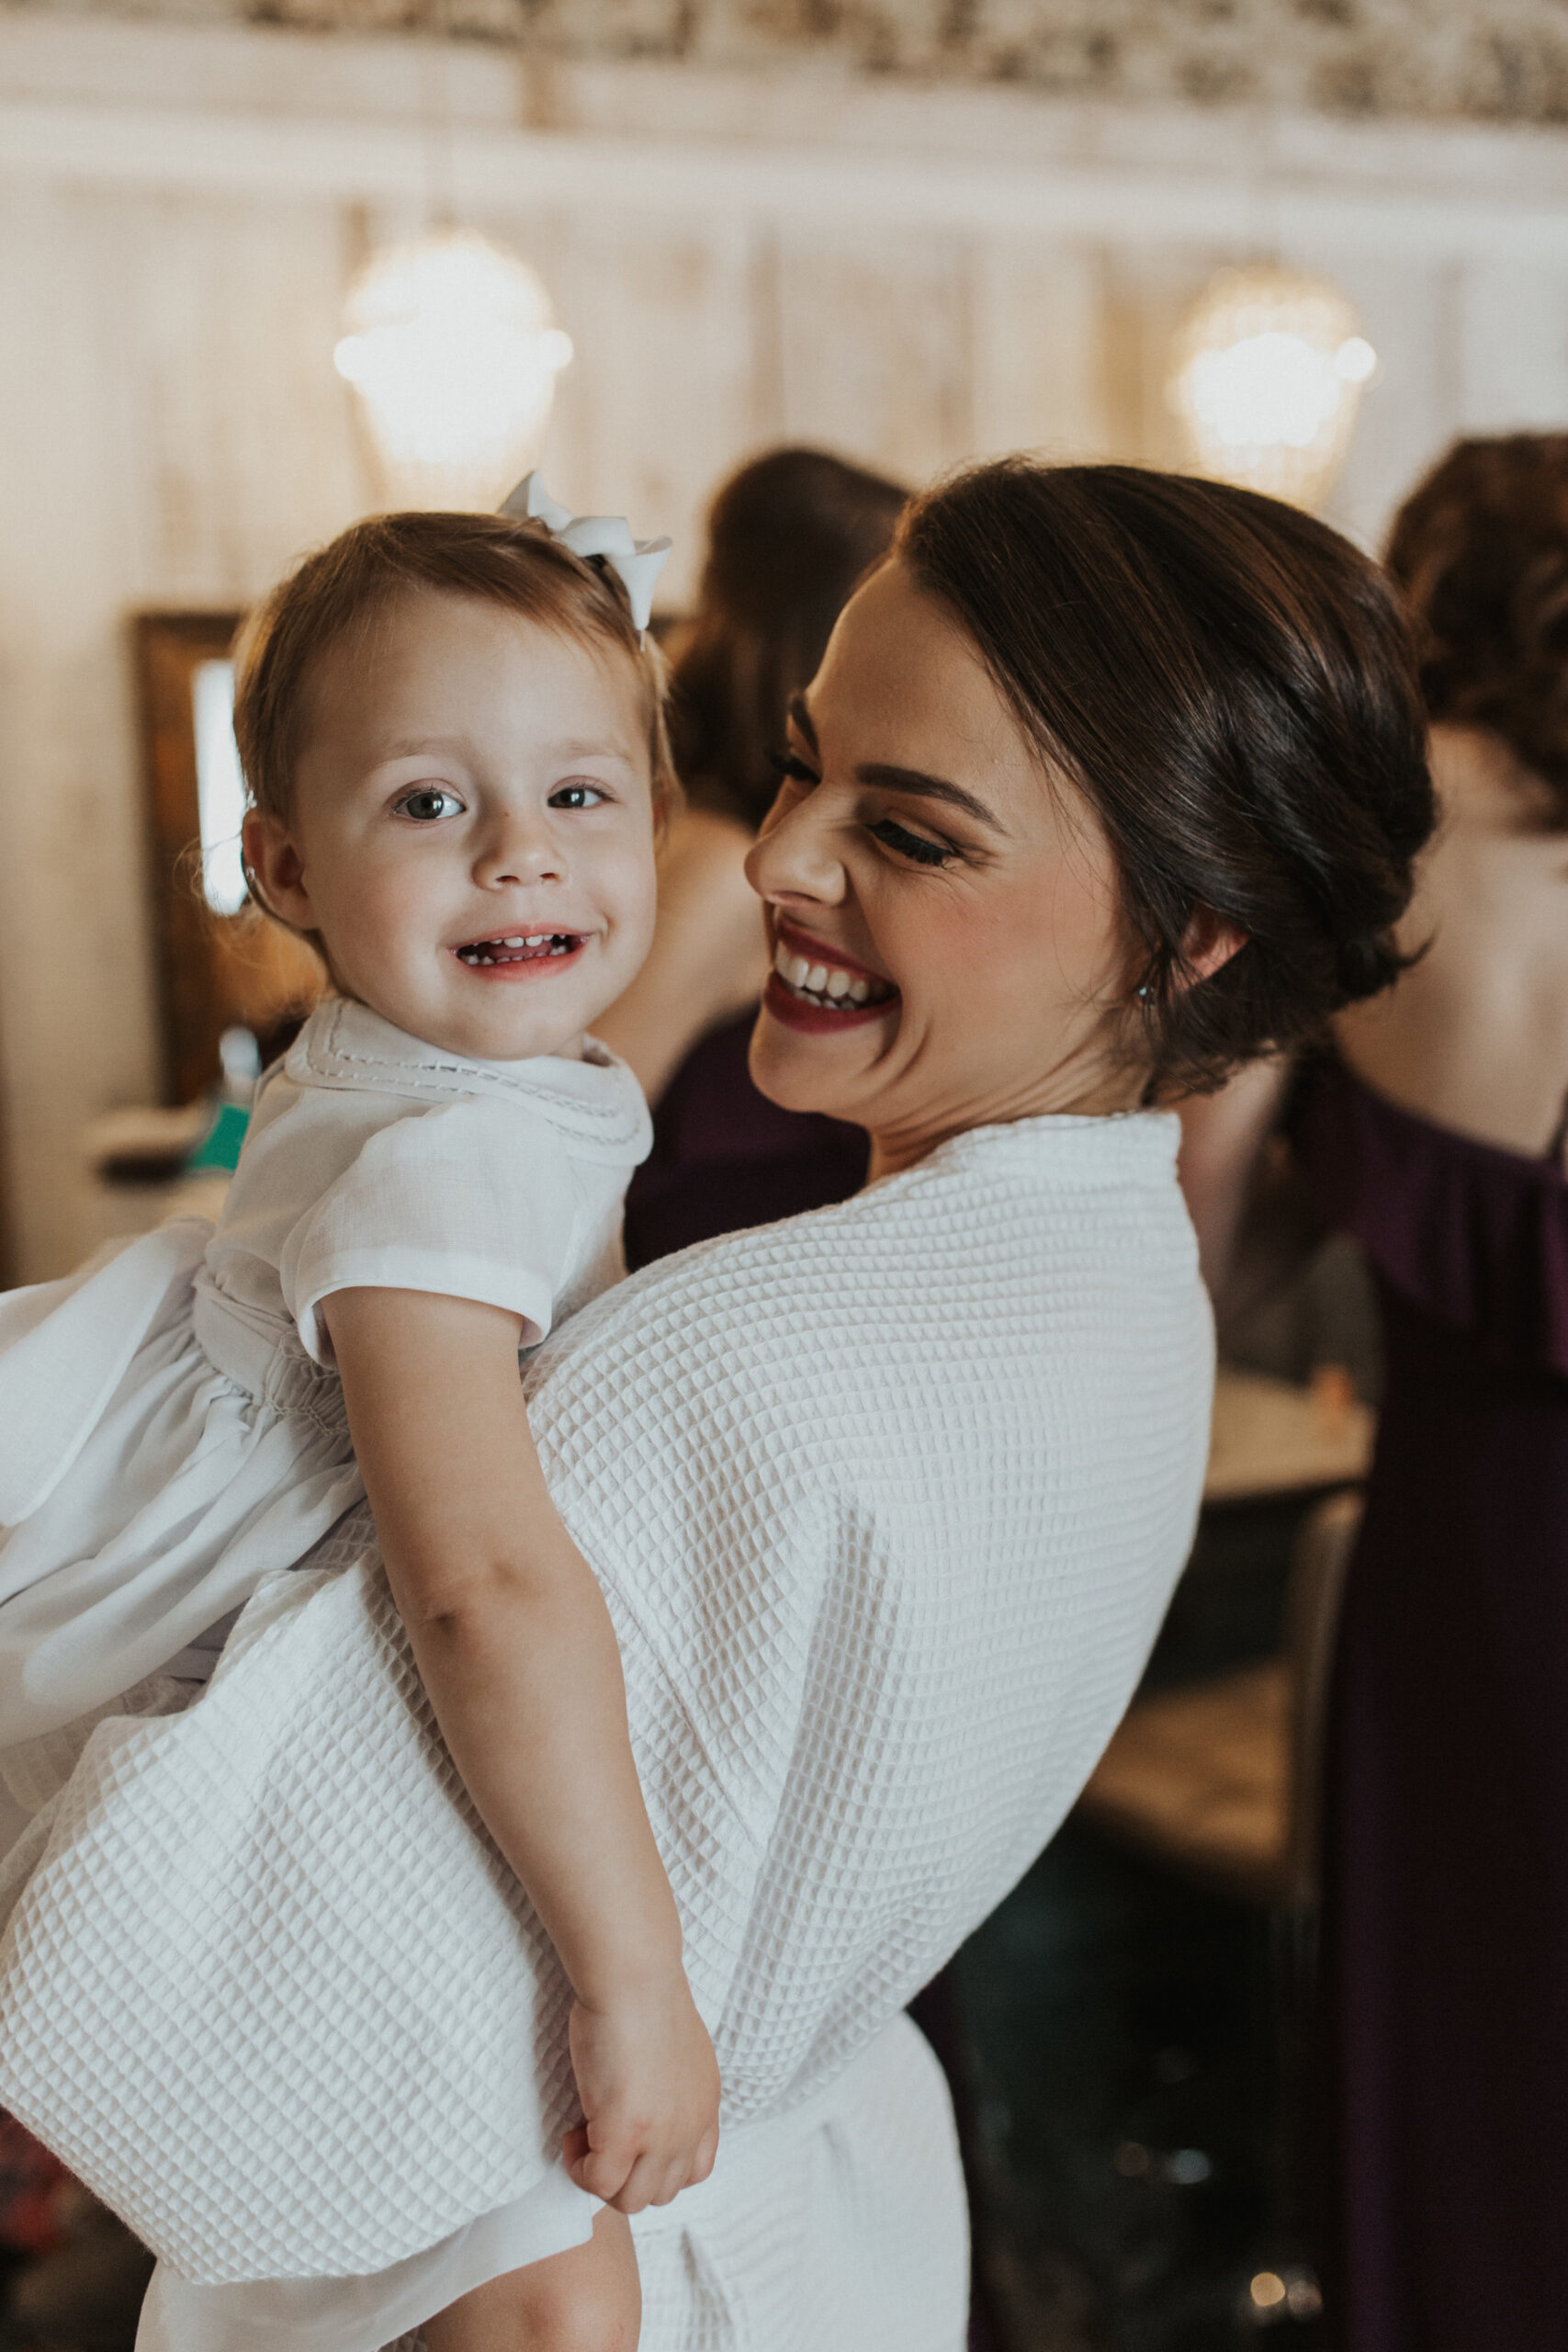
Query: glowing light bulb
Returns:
{"type": "Point", "coordinates": [1269, 369]}
{"type": "Point", "coordinates": [451, 345]}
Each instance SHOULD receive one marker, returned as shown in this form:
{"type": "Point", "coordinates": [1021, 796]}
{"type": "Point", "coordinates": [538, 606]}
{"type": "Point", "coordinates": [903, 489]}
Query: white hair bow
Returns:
{"type": "Point", "coordinates": [638, 561]}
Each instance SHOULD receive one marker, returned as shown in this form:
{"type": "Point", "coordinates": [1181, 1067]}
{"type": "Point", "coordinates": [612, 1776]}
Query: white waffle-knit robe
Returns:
{"type": "Point", "coordinates": [888, 1502]}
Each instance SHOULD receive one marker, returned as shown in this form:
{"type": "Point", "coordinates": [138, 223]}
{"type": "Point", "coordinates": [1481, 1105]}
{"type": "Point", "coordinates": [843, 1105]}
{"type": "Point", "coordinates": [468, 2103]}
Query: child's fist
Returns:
{"type": "Point", "coordinates": [648, 2083]}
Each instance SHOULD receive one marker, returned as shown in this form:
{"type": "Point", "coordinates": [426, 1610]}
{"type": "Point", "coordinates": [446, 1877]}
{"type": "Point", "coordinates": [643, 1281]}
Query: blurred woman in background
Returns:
{"type": "Point", "coordinates": [789, 536]}
{"type": "Point", "coordinates": [1433, 1130]}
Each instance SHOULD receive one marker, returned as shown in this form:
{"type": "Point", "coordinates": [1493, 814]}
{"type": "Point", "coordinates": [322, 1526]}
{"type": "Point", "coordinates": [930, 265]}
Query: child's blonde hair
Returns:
{"type": "Point", "coordinates": [349, 584]}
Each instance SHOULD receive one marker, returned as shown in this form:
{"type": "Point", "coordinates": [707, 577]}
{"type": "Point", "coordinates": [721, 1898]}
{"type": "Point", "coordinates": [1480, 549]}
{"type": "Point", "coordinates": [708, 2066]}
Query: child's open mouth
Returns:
{"type": "Point", "coordinates": [519, 947]}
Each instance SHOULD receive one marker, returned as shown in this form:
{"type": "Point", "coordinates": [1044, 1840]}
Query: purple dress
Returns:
{"type": "Point", "coordinates": [1445, 1969]}
{"type": "Point", "coordinates": [725, 1157]}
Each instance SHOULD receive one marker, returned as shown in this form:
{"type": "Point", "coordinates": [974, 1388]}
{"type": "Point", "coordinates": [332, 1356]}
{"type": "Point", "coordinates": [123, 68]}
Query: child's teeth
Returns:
{"type": "Point", "coordinates": [491, 951]}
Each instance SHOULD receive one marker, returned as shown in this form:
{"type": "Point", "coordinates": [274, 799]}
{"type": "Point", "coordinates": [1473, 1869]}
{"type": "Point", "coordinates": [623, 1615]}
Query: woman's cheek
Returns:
{"type": "Point", "coordinates": [1083, 925]}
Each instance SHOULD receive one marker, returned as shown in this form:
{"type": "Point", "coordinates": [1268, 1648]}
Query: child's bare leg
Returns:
{"type": "Point", "coordinates": [587, 2300]}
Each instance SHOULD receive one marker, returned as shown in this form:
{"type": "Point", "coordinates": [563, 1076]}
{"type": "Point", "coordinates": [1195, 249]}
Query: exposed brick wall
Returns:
{"type": "Point", "coordinates": [1487, 60]}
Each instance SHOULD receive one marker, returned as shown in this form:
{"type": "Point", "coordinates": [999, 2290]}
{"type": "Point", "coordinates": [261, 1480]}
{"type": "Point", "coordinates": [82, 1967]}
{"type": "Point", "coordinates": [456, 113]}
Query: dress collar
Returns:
{"type": "Point", "coordinates": [596, 1100]}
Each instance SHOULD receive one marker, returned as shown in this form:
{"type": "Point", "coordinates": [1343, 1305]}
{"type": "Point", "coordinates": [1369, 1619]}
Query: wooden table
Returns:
{"type": "Point", "coordinates": [1273, 1438]}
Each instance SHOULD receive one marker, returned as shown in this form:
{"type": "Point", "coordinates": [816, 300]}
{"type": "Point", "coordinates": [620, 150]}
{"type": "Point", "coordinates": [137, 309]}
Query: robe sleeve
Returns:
{"type": "Point", "coordinates": [477, 1200]}
{"type": "Point", "coordinates": [717, 1579]}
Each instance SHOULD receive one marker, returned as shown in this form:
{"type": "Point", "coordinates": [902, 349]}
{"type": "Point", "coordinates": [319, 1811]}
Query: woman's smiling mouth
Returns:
{"type": "Point", "coordinates": [810, 988]}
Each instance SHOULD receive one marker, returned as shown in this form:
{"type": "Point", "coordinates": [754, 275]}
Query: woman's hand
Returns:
{"type": "Point", "coordinates": [648, 2082]}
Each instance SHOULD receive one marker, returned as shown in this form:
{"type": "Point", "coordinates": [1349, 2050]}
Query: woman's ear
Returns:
{"type": "Point", "coordinates": [276, 870]}
{"type": "Point", "coordinates": [1209, 942]}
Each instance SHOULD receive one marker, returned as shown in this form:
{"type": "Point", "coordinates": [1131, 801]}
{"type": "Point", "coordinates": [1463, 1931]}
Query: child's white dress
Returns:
{"type": "Point", "coordinates": [171, 1428]}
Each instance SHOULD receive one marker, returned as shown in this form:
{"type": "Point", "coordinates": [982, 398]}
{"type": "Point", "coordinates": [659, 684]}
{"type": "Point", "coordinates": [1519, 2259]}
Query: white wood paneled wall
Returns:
{"type": "Point", "coordinates": [910, 276]}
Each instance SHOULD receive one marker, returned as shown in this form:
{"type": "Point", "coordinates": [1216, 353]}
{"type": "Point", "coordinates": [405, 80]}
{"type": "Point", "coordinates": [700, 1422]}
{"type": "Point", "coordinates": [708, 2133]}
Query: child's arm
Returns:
{"type": "Point", "coordinates": [517, 1652]}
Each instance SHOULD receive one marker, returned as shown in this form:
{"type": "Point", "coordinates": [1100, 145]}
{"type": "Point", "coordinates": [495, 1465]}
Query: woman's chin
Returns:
{"type": "Point", "coordinates": [815, 1067]}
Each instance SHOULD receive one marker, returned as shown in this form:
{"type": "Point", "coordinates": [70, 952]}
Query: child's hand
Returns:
{"type": "Point", "coordinates": [648, 2083]}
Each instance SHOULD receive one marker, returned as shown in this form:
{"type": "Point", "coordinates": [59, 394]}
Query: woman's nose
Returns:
{"type": "Point", "coordinates": [794, 857]}
{"type": "Point", "coordinates": [518, 847]}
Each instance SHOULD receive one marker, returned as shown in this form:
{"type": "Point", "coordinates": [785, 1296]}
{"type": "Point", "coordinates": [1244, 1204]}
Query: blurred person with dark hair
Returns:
{"type": "Point", "coordinates": [789, 536]}
{"type": "Point", "coordinates": [1433, 1130]}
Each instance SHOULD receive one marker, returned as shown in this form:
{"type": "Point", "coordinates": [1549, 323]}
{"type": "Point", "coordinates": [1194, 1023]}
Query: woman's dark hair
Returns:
{"type": "Point", "coordinates": [1480, 550]}
{"type": "Point", "coordinates": [1233, 688]}
{"type": "Point", "coordinates": [789, 538]}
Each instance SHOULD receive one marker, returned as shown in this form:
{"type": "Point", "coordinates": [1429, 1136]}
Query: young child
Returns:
{"type": "Point", "coordinates": [453, 736]}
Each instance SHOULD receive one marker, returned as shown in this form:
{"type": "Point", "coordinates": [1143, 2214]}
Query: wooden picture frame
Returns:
{"type": "Point", "coordinates": [215, 970]}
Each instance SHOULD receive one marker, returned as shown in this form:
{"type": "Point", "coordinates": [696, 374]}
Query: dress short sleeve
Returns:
{"type": "Point", "coordinates": [475, 1200]}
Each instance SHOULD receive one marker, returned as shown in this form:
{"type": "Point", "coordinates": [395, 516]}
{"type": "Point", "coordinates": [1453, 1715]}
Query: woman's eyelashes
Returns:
{"type": "Point", "coordinates": [791, 768]}
{"type": "Point", "coordinates": [895, 836]}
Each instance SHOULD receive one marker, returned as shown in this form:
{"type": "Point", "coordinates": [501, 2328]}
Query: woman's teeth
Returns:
{"type": "Point", "coordinates": [518, 949]}
{"type": "Point", "coordinates": [827, 984]}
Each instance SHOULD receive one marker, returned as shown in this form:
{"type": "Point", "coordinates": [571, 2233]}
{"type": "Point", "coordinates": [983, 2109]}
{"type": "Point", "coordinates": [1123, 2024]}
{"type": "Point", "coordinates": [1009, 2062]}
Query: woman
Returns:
{"type": "Point", "coordinates": [1435, 1133]}
{"type": "Point", "coordinates": [1108, 779]}
{"type": "Point", "coordinates": [789, 534]}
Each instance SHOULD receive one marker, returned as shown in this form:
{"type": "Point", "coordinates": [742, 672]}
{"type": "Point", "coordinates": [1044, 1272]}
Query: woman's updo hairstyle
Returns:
{"type": "Point", "coordinates": [1233, 688]}
{"type": "Point", "coordinates": [1480, 550]}
{"type": "Point", "coordinates": [789, 536]}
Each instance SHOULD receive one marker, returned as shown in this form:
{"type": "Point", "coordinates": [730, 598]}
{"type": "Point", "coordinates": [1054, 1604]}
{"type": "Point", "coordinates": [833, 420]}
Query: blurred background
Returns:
{"type": "Point", "coordinates": [907, 229]}
{"type": "Point", "coordinates": [265, 267]}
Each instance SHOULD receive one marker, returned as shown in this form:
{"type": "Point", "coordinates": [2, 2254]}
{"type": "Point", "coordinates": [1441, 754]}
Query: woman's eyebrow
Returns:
{"type": "Point", "coordinates": [896, 779]}
{"type": "Point", "coordinates": [928, 787]}
{"type": "Point", "coordinates": [802, 718]}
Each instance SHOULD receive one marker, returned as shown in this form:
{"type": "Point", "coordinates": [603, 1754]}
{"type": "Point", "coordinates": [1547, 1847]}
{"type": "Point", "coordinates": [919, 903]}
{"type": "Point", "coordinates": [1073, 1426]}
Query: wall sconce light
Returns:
{"type": "Point", "coordinates": [1269, 369]}
{"type": "Point", "coordinates": [450, 343]}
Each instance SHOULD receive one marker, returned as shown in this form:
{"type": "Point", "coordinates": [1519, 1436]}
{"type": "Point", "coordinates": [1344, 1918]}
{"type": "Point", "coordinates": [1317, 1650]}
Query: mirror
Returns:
{"type": "Point", "coordinates": [222, 963]}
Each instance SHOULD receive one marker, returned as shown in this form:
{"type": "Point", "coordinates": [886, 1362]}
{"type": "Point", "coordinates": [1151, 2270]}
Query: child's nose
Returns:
{"type": "Point", "coordinates": [519, 848]}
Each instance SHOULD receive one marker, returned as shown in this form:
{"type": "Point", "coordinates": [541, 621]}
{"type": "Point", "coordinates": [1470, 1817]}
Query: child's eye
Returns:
{"type": "Point", "coordinates": [789, 767]}
{"type": "Point", "coordinates": [578, 795]}
{"type": "Point", "coordinates": [899, 837]}
{"type": "Point", "coordinates": [428, 802]}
